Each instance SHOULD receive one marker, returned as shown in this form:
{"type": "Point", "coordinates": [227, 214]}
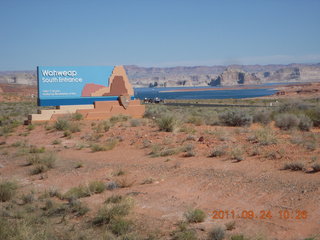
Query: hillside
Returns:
{"type": "Point", "coordinates": [199, 75]}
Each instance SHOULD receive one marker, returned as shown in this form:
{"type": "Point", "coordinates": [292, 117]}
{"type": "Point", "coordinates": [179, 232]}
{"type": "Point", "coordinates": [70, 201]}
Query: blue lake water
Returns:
{"type": "Point", "coordinates": [142, 93]}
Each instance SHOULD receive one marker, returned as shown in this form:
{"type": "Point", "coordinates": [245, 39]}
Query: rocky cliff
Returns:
{"type": "Point", "coordinates": [231, 77]}
{"type": "Point", "coordinates": [200, 75]}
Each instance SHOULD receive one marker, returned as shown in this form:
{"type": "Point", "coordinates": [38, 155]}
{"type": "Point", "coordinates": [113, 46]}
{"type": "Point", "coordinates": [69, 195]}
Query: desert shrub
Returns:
{"type": "Point", "coordinates": [41, 162]}
{"type": "Point", "coordinates": [294, 166]}
{"type": "Point", "coordinates": [230, 225]}
{"type": "Point", "coordinates": [190, 153]}
{"type": "Point", "coordinates": [195, 216]}
{"type": "Point", "coordinates": [74, 127]}
{"type": "Point", "coordinates": [61, 124]}
{"type": "Point", "coordinates": [187, 129]}
{"type": "Point", "coordinates": [112, 185]}
{"type": "Point", "coordinates": [168, 152]}
{"type": "Point", "coordinates": [76, 116]}
{"type": "Point", "coordinates": [119, 118]}
{"type": "Point", "coordinates": [187, 234]}
{"type": "Point", "coordinates": [77, 192]}
{"type": "Point", "coordinates": [183, 233]}
{"type": "Point", "coordinates": [103, 126]}
{"type": "Point", "coordinates": [96, 187]}
{"type": "Point", "coordinates": [238, 237]}
{"type": "Point", "coordinates": [112, 211]}
{"type": "Point", "coordinates": [167, 123]}
{"type": "Point", "coordinates": [34, 149]}
{"type": "Point", "coordinates": [109, 145]}
{"type": "Point", "coordinates": [292, 106]}
{"type": "Point", "coordinates": [314, 115]}
{"type": "Point", "coordinates": [56, 142]}
{"type": "Point", "coordinates": [119, 172]}
{"type": "Point", "coordinates": [305, 123]}
{"type": "Point", "coordinates": [30, 127]}
{"type": "Point", "coordinates": [114, 199]}
{"type": "Point", "coordinates": [147, 181]}
{"type": "Point", "coordinates": [262, 116]}
{"type": "Point", "coordinates": [218, 151]}
{"type": "Point", "coordinates": [124, 182]}
{"type": "Point", "coordinates": [287, 121]}
{"type": "Point", "coordinates": [316, 167]}
{"type": "Point", "coordinates": [7, 190]}
{"type": "Point", "coordinates": [135, 122]}
{"type": "Point", "coordinates": [216, 234]}
{"type": "Point", "coordinates": [78, 208]}
{"type": "Point", "coordinates": [237, 154]}
{"type": "Point", "coordinates": [155, 111]}
{"type": "Point", "coordinates": [196, 120]}
{"type": "Point", "coordinates": [235, 118]}
{"type": "Point", "coordinates": [46, 159]}
{"type": "Point", "coordinates": [55, 193]}
{"type": "Point", "coordinates": [211, 118]}
{"type": "Point", "coordinates": [38, 169]}
{"type": "Point", "coordinates": [264, 136]}
{"type": "Point", "coordinates": [255, 151]}
{"type": "Point", "coordinates": [97, 148]}
{"type": "Point", "coordinates": [27, 198]}
{"type": "Point", "coordinates": [119, 226]}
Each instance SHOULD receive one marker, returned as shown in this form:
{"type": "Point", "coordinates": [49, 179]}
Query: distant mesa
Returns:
{"type": "Point", "coordinates": [233, 76]}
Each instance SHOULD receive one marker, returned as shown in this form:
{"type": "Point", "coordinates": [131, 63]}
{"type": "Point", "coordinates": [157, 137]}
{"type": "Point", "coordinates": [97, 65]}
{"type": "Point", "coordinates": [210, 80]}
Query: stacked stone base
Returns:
{"type": "Point", "coordinates": [100, 110]}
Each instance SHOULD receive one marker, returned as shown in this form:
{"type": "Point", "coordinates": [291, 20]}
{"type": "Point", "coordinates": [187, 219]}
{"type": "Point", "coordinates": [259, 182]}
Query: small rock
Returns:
{"type": "Point", "coordinates": [201, 139]}
{"type": "Point", "coordinates": [1, 166]}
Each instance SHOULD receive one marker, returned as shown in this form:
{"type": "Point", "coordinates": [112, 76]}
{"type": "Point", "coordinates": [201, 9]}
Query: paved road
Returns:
{"type": "Point", "coordinates": [212, 105]}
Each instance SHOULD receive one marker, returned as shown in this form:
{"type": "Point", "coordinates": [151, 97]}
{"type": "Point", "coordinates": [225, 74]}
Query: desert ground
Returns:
{"type": "Point", "coordinates": [178, 173]}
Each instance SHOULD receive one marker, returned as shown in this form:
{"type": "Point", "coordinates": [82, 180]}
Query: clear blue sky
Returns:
{"type": "Point", "coordinates": [157, 32]}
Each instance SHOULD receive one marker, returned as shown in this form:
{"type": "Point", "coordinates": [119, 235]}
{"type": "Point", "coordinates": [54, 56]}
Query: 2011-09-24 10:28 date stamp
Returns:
{"type": "Point", "coordinates": [260, 215]}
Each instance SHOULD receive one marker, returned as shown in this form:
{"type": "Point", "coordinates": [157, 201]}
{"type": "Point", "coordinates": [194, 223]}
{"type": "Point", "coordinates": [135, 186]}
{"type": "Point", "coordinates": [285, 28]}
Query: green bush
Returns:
{"type": "Point", "coordinates": [167, 123]}
{"type": "Point", "coordinates": [305, 123]}
{"type": "Point", "coordinates": [237, 154]}
{"type": "Point", "coordinates": [287, 121]}
{"type": "Point", "coordinates": [216, 234]}
{"type": "Point", "coordinates": [119, 226]}
{"type": "Point", "coordinates": [195, 216]}
{"type": "Point", "coordinates": [109, 145]}
{"type": "Point", "coordinates": [103, 126]}
{"type": "Point", "coordinates": [263, 117]}
{"type": "Point", "coordinates": [47, 159]}
{"type": "Point", "coordinates": [119, 118]}
{"type": "Point", "coordinates": [77, 192]}
{"type": "Point", "coordinates": [218, 151]}
{"type": "Point", "coordinates": [135, 122]}
{"type": "Point", "coordinates": [77, 116]}
{"type": "Point", "coordinates": [41, 162]}
{"type": "Point", "coordinates": [114, 199]}
{"type": "Point", "coordinates": [96, 187]}
{"type": "Point", "coordinates": [316, 167]}
{"type": "Point", "coordinates": [183, 233]}
{"type": "Point", "coordinates": [62, 124]}
{"type": "Point", "coordinates": [238, 237]}
{"type": "Point", "coordinates": [314, 115]}
{"type": "Point", "coordinates": [112, 211]}
{"type": "Point", "coordinates": [235, 118]}
{"type": "Point", "coordinates": [34, 149]}
{"type": "Point", "coordinates": [196, 120]}
{"type": "Point", "coordinates": [7, 190]}
{"type": "Point", "coordinates": [264, 136]}
{"type": "Point", "coordinates": [295, 166]}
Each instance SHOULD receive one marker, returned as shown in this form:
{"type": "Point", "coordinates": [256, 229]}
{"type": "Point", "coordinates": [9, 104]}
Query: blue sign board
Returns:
{"type": "Point", "coordinates": [73, 85]}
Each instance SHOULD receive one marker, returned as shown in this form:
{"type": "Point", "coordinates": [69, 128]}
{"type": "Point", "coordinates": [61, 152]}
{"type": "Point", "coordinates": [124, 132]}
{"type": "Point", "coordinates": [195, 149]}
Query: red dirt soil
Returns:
{"type": "Point", "coordinates": [257, 183]}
